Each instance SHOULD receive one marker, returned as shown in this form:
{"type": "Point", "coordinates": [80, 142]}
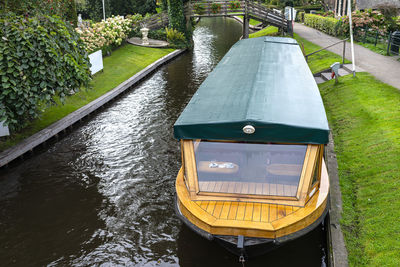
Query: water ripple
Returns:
{"type": "Point", "coordinates": [104, 194]}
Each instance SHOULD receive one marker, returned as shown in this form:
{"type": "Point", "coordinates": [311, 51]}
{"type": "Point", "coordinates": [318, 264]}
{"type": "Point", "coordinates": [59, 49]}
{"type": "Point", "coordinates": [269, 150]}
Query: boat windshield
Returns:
{"type": "Point", "coordinates": [249, 168]}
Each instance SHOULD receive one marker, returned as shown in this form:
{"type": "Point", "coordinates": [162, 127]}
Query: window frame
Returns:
{"type": "Point", "coordinates": [303, 189]}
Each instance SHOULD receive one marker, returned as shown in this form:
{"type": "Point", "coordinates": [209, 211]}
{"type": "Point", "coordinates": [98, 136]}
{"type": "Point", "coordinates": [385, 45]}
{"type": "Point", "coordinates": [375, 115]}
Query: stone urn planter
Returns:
{"type": "Point", "coordinates": [145, 32]}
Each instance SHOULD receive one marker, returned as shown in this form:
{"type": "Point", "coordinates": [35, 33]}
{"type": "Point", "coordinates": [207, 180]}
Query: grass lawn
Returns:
{"type": "Point", "coordinates": [121, 65]}
{"type": "Point", "coordinates": [318, 62]}
{"type": "Point", "coordinates": [380, 48]}
{"type": "Point", "coordinates": [270, 30]}
{"type": "Point", "coordinates": [252, 21]}
{"type": "Point", "coordinates": [364, 115]}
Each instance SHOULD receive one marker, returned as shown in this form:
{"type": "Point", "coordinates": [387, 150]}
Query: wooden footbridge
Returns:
{"type": "Point", "coordinates": [249, 9]}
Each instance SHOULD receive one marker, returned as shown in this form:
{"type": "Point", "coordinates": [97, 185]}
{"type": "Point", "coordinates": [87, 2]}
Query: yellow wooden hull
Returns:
{"type": "Point", "coordinates": [252, 219]}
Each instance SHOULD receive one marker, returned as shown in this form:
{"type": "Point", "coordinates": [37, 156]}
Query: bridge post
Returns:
{"type": "Point", "coordinates": [290, 27]}
{"type": "Point", "coordinates": [246, 21]}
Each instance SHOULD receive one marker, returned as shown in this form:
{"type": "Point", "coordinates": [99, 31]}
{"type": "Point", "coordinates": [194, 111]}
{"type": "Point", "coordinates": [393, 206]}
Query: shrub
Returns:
{"type": "Point", "coordinates": [135, 18]}
{"type": "Point", "coordinates": [159, 34]}
{"type": "Point", "coordinates": [300, 16]}
{"type": "Point", "coordinates": [308, 8]}
{"type": "Point", "coordinates": [234, 4]}
{"type": "Point", "coordinates": [176, 16]}
{"type": "Point", "coordinates": [93, 9]}
{"type": "Point", "coordinates": [65, 9]}
{"type": "Point", "coordinates": [215, 8]}
{"type": "Point", "coordinates": [199, 8]}
{"type": "Point", "coordinates": [389, 11]}
{"type": "Point", "coordinates": [328, 14]}
{"type": "Point", "coordinates": [40, 58]}
{"type": "Point", "coordinates": [106, 35]}
{"type": "Point", "coordinates": [324, 24]}
{"type": "Point", "coordinates": [368, 19]}
{"type": "Point", "coordinates": [175, 37]}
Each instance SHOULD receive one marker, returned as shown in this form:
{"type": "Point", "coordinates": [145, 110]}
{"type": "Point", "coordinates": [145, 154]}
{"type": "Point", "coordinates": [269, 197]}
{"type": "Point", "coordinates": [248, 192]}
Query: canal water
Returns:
{"type": "Point", "coordinates": [103, 195]}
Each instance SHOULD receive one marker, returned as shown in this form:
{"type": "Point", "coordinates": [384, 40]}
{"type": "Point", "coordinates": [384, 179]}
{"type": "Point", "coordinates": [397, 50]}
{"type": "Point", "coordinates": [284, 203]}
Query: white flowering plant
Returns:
{"type": "Point", "coordinates": [106, 34]}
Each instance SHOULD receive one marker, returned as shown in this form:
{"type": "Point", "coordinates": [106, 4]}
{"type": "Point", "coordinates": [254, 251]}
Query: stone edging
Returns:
{"type": "Point", "coordinates": [52, 130]}
{"type": "Point", "coordinates": [337, 245]}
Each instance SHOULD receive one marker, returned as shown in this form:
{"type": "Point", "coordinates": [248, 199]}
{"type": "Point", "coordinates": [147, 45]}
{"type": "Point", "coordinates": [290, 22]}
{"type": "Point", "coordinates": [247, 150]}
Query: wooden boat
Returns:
{"type": "Point", "coordinates": [252, 138]}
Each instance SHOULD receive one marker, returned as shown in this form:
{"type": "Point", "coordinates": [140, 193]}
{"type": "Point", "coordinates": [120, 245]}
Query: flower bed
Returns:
{"type": "Point", "coordinates": [366, 20]}
{"type": "Point", "coordinates": [215, 8]}
{"type": "Point", "coordinates": [234, 5]}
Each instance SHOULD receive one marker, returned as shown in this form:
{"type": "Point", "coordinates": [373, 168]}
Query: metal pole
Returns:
{"type": "Point", "coordinates": [104, 12]}
{"type": "Point", "coordinates": [344, 51]}
{"type": "Point", "coordinates": [388, 47]}
{"type": "Point", "coordinates": [351, 38]}
{"type": "Point", "coordinates": [291, 17]}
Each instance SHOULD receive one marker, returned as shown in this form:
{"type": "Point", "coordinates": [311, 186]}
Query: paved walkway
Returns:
{"type": "Point", "coordinates": [384, 68]}
{"type": "Point", "coordinates": [152, 43]}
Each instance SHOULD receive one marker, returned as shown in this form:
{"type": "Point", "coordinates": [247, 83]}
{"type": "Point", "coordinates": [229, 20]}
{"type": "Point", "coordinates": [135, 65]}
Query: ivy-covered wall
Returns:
{"type": "Point", "coordinates": [176, 16]}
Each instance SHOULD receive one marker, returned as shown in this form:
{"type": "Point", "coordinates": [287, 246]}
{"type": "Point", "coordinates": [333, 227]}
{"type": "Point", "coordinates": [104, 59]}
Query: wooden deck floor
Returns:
{"type": "Point", "coordinates": [269, 189]}
{"type": "Point", "coordinates": [241, 211]}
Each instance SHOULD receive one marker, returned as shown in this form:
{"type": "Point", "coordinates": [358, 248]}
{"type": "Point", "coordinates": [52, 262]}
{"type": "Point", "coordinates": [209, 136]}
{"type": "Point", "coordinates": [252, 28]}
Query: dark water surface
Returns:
{"type": "Point", "coordinates": [103, 195]}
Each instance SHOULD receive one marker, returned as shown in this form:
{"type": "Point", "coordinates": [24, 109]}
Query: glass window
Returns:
{"type": "Point", "coordinates": [316, 170]}
{"type": "Point", "coordinates": [249, 168]}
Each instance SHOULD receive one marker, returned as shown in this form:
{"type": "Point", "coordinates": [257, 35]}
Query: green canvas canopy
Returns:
{"type": "Point", "coordinates": [263, 82]}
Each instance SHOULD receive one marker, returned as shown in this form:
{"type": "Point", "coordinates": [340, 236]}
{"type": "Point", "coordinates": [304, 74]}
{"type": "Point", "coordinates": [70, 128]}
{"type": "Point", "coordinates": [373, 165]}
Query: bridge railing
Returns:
{"type": "Point", "coordinates": [211, 8]}
{"type": "Point", "coordinates": [216, 8]}
{"type": "Point", "coordinates": [262, 13]}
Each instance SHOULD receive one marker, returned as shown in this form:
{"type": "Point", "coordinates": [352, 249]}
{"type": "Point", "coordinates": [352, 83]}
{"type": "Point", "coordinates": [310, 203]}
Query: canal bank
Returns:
{"type": "Point", "coordinates": [28, 144]}
{"type": "Point", "coordinates": [103, 193]}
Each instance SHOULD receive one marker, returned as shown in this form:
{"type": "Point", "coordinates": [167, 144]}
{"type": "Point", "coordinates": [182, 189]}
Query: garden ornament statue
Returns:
{"type": "Point", "coordinates": [80, 24]}
{"type": "Point", "coordinates": [145, 32]}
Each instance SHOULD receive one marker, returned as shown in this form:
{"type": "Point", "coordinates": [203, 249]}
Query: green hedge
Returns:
{"type": "Point", "coordinates": [328, 25]}
{"type": "Point", "coordinates": [308, 8]}
{"type": "Point", "coordinates": [300, 16]}
{"type": "Point", "coordinates": [176, 16]}
{"type": "Point", "coordinates": [41, 58]}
